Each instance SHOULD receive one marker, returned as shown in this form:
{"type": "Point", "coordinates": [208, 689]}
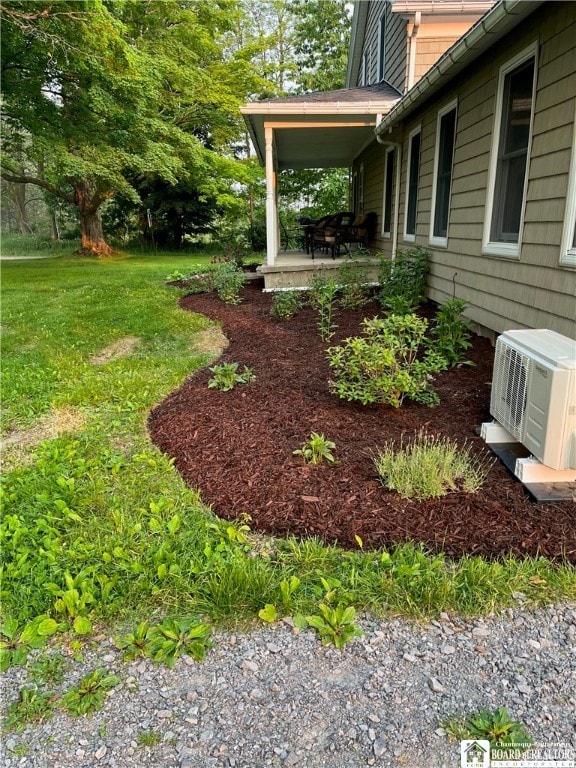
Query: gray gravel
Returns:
{"type": "Point", "coordinates": [278, 698]}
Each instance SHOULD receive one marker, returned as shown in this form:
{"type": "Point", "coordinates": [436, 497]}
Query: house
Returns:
{"type": "Point", "coordinates": [460, 117]}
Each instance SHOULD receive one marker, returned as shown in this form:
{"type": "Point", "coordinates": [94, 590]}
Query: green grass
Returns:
{"type": "Point", "coordinates": [97, 522]}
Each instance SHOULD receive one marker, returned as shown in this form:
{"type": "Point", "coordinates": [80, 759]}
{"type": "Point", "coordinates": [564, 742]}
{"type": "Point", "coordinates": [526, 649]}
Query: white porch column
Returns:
{"type": "Point", "coordinates": [271, 210]}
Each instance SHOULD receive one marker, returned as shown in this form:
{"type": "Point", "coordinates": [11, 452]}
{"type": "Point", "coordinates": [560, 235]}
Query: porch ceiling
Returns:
{"type": "Point", "coordinates": [319, 130]}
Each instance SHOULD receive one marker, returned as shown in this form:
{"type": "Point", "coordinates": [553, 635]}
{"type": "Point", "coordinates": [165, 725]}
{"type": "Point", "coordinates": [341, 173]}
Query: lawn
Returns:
{"type": "Point", "coordinates": [98, 526]}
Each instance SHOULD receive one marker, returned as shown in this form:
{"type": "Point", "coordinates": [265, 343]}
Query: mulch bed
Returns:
{"type": "Point", "coordinates": [236, 447]}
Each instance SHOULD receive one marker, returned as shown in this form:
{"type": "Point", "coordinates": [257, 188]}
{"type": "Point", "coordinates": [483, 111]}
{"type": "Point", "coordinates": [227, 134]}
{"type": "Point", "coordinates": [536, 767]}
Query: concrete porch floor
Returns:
{"type": "Point", "coordinates": [295, 268]}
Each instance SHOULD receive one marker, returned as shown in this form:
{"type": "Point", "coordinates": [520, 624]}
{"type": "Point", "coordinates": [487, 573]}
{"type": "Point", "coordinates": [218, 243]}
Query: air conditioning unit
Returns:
{"type": "Point", "coordinates": [534, 394]}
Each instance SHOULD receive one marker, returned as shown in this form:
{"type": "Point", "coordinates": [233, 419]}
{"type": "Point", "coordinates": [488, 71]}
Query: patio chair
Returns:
{"type": "Point", "coordinates": [359, 232]}
{"type": "Point", "coordinates": [325, 235]}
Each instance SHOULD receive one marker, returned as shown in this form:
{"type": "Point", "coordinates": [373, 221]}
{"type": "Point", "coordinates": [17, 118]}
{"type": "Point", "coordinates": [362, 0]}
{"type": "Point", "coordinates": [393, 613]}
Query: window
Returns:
{"type": "Point", "coordinates": [568, 248]}
{"type": "Point", "coordinates": [509, 159]}
{"type": "Point", "coordinates": [412, 175]}
{"type": "Point", "coordinates": [441, 186]}
{"type": "Point", "coordinates": [389, 164]}
{"type": "Point", "coordinates": [365, 66]}
{"type": "Point", "coordinates": [381, 47]}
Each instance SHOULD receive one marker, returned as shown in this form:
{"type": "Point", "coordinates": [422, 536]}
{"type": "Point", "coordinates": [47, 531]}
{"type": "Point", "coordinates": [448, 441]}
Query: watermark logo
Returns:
{"type": "Point", "coordinates": [475, 753]}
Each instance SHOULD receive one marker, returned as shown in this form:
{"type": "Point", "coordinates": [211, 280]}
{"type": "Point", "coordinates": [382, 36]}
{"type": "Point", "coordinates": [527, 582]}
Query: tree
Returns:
{"type": "Point", "coordinates": [103, 91]}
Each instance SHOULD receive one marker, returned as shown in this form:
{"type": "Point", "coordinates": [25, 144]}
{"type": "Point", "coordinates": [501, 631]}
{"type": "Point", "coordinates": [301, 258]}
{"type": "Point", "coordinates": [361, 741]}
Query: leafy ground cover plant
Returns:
{"type": "Point", "coordinates": [174, 637]}
{"type": "Point", "coordinates": [384, 365]}
{"type": "Point", "coordinates": [451, 333]}
{"type": "Point", "coordinates": [16, 642]}
{"type": "Point", "coordinates": [227, 376]}
{"type": "Point", "coordinates": [316, 450]}
{"type": "Point", "coordinates": [90, 693]}
{"type": "Point", "coordinates": [493, 725]}
{"type": "Point", "coordinates": [286, 304]}
{"type": "Point", "coordinates": [429, 466]}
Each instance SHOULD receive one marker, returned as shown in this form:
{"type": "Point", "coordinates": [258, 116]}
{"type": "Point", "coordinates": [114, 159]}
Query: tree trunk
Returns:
{"type": "Point", "coordinates": [93, 242]}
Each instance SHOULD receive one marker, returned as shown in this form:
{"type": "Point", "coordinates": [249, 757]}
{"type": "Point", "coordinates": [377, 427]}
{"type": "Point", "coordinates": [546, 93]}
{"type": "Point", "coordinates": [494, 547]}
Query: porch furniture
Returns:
{"type": "Point", "coordinates": [326, 232]}
{"type": "Point", "coordinates": [360, 232]}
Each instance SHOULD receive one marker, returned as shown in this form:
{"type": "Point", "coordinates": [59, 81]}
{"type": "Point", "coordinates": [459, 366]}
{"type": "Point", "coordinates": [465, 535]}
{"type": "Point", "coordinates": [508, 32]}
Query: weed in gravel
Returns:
{"type": "Point", "coordinates": [148, 738]}
{"type": "Point", "coordinates": [32, 706]}
{"type": "Point", "coordinates": [335, 625]}
{"type": "Point", "coordinates": [47, 668]}
{"type": "Point", "coordinates": [493, 725]}
{"type": "Point", "coordinates": [90, 693]}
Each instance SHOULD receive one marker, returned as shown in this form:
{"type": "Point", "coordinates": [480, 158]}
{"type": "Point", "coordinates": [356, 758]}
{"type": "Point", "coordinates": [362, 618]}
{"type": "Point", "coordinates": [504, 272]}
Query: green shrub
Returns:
{"type": "Point", "coordinates": [227, 280]}
{"type": "Point", "coordinates": [404, 276]}
{"type": "Point", "coordinates": [452, 334]}
{"type": "Point", "coordinates": [354, 285]}
{"type": "Point", "coordinates": [286, 304]}
{"type": "Point", "coordinates": [430, 466]}
{"type": "Point", "coordinates": [383, 365]}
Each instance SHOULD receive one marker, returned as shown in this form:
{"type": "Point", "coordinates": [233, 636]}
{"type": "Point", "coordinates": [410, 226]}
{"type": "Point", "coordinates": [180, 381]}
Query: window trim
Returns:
{"type": "Point", "coordinates": [381, 48]}
{"type": "Point", "coordinates": [491, 247]}
{"type": "Point", "coordinates": [452, 106]}
{"type": "Point", "coordinates": [388, 200]}
{"type": "Point", "coordinates": [410, 237]}
{"type": "Point", "coordinates": [567, 247]}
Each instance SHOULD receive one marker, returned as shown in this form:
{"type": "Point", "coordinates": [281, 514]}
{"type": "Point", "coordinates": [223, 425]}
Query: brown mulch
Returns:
{"type": "Point", "coordinates": [236, 447]}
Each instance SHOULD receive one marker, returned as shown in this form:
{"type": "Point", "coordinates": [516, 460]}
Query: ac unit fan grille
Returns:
{"type": "Point", "coordinates": [509, 389]}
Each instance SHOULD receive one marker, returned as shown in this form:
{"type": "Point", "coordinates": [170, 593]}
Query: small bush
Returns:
{"type": "Point", "coordinates": [384, 365]}
{"type": "Point", "coordinates": [405, 276]}
{"type": "Point", "coordinates": [354, 285]}
{"type": "Point", "coordinates": [286, 304]}
{"type": "Point", "coordinates": [227, 280]}
{"type": "Point", "coordinates": [429, 467]}
{"type": "Point", "coordinates": [452, 334]}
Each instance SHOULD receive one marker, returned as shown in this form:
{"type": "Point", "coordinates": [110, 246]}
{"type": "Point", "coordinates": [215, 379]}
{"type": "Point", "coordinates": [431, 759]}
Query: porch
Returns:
{"type": "Point", "coordinates": [296, 268]}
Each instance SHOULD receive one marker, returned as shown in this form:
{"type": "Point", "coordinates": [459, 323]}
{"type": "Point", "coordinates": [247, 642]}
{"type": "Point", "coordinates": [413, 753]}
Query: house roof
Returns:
{"type": "Point", "coordinates": [325, 129]}
{"type": "Point", "coordinates": [494, 25]}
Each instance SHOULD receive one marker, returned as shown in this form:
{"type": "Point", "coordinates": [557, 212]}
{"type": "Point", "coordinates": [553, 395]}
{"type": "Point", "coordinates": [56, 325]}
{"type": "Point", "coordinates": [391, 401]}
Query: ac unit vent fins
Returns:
{"type": "Point", "coordinates": [509, 389]}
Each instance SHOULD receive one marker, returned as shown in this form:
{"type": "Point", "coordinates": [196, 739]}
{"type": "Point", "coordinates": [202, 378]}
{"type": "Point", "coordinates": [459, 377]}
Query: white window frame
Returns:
{"type": "Point", "coordinates": [433, 239]}
{"type": "Point", "coordinates": [411, 237]}
{"type": "Point", "coordinates": [497, 248]}
{"type": "Point", "coordinates": [381, 48]}
{"type": "Point", "coordinates": [568, 248]}
{"type": "Point", "coordinates": [388, 233]}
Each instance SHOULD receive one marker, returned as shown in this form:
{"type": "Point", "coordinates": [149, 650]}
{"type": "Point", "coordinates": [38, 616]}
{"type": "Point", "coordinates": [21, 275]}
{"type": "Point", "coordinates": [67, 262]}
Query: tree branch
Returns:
{"type": "Point", "coordinates": [7, 176]}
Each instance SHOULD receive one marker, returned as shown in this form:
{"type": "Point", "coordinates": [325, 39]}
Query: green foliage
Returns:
{"type": "Point", "coordinates": [323, 293]}
{"type": "Point", "coordinates": [354, 285]}
{"type": "Point", "coordinates": [227, 280]}
{"type": "Point", "coordinates": [316, 450]}
{"type": "Point", "coordinates": [32, 706]}
{"type": "Point", "coordinates": [452, 334]}
{"type": "Point", "coordinates": [135, 644]}
{"type": "Point", "coordinates": [385, 365]}
{"type": "Point", "coordinates": [149, 738]}
{"type": "Point", "coordinates": [335, 625]}
{"type": "Point", "coordinates": [404, 277]}
{"type": "Point", "coordinates": [174, 637]}
{"type": "Point", "coordinates": [430, 466]}
{"type": "Point", "coordinates": [90, 693]}
{"type": "Point", "coordinates": [16, 643]}
{"type": "Point", "coordinates": [269, 613]}
{"type": "Point", "coordinates": [47, 668]}
{"type": "Point", "coordinates": [227, 376]}
{"type": "Point", "coordinates": [286, 304]}
{"type": "Point", "coordinates": [493, 725]}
